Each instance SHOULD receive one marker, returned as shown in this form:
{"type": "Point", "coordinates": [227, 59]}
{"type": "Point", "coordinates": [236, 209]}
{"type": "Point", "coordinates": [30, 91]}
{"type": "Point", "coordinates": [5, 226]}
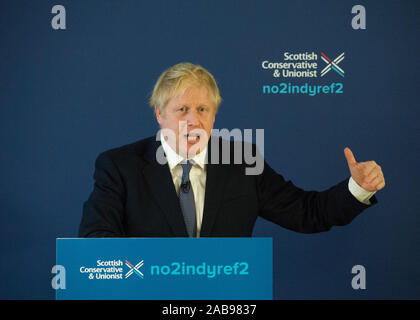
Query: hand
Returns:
{"type": "Point", "coordinates": [367, 174]}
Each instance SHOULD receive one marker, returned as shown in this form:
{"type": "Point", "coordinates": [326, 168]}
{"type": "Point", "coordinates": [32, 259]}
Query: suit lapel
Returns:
{"type": "Point", "coordinates": [163, 191]}
{"type": "Point", "coordinates": [217, 175]}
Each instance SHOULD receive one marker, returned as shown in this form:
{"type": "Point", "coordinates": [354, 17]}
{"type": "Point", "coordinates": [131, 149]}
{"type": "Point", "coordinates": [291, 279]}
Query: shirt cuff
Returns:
{"type": "Point", "coordinates": [359, 193]}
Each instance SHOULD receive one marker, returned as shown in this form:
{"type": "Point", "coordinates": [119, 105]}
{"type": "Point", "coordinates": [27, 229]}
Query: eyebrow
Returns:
{"type": "Point", "coordinates": [186, 105]}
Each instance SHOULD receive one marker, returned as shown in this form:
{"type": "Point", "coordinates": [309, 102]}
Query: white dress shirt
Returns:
{"type": "Point", "coordinates": [359, 193]}
{"type": "Point", "coordinates": [198, 177]}
{"type": "Point", "coordinates": [198, 180]}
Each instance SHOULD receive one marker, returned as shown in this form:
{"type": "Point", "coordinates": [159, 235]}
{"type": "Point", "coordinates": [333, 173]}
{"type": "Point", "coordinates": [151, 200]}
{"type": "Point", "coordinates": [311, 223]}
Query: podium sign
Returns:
{"type": "Point", "coordinates": [166, 268]}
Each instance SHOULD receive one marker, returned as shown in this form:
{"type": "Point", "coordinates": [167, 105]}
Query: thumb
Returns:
{"type": "Point", "coordinates": [351, 161]}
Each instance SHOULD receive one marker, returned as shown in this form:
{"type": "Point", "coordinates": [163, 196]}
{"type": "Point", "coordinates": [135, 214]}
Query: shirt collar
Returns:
{"type": "Point", "coordinates": [174, 159]}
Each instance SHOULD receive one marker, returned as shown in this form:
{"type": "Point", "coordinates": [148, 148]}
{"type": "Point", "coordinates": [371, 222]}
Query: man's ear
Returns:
{"type": "Point", "coordinates": [158, 115]}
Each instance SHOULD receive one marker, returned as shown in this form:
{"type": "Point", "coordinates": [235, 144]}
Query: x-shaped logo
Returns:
{"type": "Point", "coordinates": [332, 64]}
{"type": "Point", "coordinates": [134, 269]}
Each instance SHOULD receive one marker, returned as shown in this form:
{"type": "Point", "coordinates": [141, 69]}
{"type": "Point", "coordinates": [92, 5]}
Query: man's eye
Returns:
{"type": "Point", "coordinates": [182, 109]}
{"type": "Point", "coordinates": [202, 109]}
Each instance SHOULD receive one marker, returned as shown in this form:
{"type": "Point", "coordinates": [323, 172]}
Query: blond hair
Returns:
{"type": "Point", "coordinates": [176, 79]}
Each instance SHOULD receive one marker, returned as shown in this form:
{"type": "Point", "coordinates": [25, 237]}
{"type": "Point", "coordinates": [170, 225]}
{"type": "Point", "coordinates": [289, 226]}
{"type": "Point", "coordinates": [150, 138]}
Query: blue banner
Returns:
{"type": "Point", "coordinates": [170, 268]}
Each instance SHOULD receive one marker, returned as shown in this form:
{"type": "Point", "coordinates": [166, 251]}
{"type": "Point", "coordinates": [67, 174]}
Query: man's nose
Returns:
{"type": "Point", "coordinates": [192, 118]}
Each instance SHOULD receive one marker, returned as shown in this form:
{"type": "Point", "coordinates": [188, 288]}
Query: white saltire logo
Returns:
{"type": "Point", "coordinates": [134, 269]}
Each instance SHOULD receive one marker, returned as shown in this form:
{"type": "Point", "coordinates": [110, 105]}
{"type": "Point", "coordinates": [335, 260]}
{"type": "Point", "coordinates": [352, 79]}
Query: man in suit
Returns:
{"type": "Point", "coordinates": [179, 184]}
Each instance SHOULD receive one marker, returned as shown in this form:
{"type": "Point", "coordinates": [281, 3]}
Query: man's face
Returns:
{"type": "Point", "coordinates": [189, 119]}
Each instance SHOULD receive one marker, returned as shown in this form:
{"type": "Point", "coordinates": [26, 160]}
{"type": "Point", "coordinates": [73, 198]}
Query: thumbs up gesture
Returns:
{"type": "Point", "coordinates": [367, 174]}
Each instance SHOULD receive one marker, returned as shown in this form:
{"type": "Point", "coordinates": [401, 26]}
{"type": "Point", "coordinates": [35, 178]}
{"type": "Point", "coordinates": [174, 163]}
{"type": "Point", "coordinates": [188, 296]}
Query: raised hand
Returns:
{"type": "Point", "coordinates": [367, 174]}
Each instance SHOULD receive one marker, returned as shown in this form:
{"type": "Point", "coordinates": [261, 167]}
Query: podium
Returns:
{"type": "Point", "coordinates": [165, 268]}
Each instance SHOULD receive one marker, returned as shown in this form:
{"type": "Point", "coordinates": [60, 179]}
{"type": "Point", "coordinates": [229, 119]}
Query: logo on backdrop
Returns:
{"type": "Point", "coordinates": [305, 73]}
{"type": "Point", "coordinates": [332, 64]}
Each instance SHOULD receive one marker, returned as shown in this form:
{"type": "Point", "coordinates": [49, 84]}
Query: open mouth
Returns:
{"type": "Point", "coordinates": [192, 137]}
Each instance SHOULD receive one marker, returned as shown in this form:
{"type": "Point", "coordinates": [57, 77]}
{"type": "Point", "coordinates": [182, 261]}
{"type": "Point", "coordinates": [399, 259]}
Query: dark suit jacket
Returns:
{"type": "Point", "coordinates": [134, 196]}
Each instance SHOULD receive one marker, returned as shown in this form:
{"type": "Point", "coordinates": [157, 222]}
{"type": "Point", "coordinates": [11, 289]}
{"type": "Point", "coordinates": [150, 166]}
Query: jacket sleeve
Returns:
{"type": "Point", "coordinates": [305, 211]}
{"type": "Point", "coordinates": [103, 211]}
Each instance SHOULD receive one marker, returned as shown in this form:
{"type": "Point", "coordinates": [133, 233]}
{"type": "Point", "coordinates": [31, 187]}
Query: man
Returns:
{"type": "Point", "coordinates": [181, 186]}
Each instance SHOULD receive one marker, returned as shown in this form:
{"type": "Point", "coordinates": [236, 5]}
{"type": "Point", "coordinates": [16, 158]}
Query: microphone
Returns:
{"type": "Point", "coordinates": [186, 186]}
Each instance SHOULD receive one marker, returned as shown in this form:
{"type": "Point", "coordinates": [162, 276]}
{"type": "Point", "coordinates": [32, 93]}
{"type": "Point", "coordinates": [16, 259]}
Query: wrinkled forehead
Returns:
{"type": "Point", "coordinates": [196, 92]}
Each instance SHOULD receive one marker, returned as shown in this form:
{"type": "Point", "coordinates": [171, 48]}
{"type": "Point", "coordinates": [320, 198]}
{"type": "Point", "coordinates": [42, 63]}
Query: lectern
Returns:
{"type": "Point", "coordinates": [166, 268]}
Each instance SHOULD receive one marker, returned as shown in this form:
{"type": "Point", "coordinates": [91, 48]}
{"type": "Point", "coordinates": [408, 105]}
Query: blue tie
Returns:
{"type": "Point", "coordinates": [186, 199]}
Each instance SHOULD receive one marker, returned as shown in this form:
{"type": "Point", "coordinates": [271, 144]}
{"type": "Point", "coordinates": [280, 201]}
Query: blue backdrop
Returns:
{"type": "Point", "coordinates": [67, 95]}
